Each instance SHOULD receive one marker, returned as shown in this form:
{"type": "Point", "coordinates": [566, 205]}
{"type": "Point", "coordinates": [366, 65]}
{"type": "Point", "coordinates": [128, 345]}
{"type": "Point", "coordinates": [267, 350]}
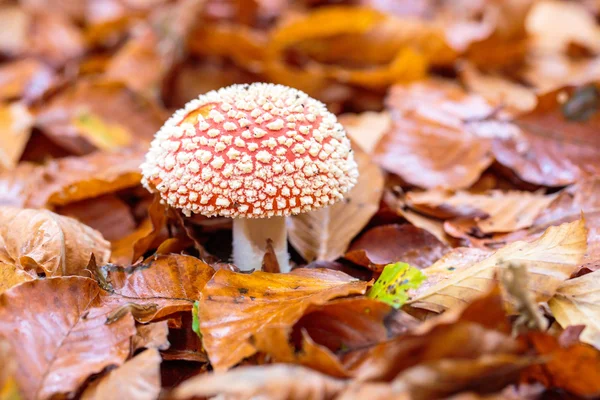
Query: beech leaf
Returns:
{"type": "Point", "coordinates": [392, 285]}
{"type": "Point", "coordinates": [326, 233]}
{"type": "Point", "coordinates": [40, 241]}
{"type": "Point", "coordinates": [549, 260]}
{"type": "Point", "coordinates": [577, 302]}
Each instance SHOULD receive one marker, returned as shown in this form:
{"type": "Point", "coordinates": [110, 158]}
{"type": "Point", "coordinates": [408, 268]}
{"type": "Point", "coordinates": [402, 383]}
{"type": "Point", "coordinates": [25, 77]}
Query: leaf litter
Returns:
{"type": "Point", "coordinates": [464, 264]}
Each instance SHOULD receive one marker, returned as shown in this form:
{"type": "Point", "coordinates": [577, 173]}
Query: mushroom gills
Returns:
{"type": "Point", "coordinates": [250, 242]}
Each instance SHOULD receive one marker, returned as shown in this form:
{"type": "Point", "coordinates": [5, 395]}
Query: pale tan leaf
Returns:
{"type": "Point", "coordinates": [138, 378]}
{"type": "Point", "coordinates": [40, 241]}
{"type": "Point", "coordinates": [151, 336]}
{"type": "Point", "coordinates": [500, 211]}
{"type": "Point", "coordinates": [326, 233]}
{"type": "Point", "coordinates": [15, 128]}
{"type": "Point", "coordinates": [367, 128]}
{"type": "Point", "coordinates": [273, 382]}
{"type": "Point", "coordinates": [549, 260]}
{"type": "Point", "coordinates": [577, 302]}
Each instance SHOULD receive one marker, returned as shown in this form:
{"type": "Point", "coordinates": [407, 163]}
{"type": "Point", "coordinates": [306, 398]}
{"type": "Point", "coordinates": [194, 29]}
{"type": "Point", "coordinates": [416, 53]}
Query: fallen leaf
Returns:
{"type": "Point", "coordinates": [151, 336]}
{"type": "Point", "coordinates": [67, 339]}
{"type": "Point", "coordinates": [9, 389]}
{"type": "Point", "coordinates": [577, 302]}
{"type": "Point", "coordinates": [495, 211]}
{"type": "Point", "coordinates": [550, 260]}
{"type": "Point", "coordinates": [28, 79]}
{"type": "Point", "coordinates": [558, 141]}
{"type": "Point", "coordinates": [11, 275]}
{"type": "Point", "coordinates": [107, 214]}
{"type": "Point", "coordinates": [172, 282]}
{"type": "Point", "coordinates": [326, 233]}
{"type": "Point", "coordinates": [366, 129]}
{"type": "Point", "coordinates": [276, 382]}
{"type": "Point", "coordinates": [575, 368]}
{"type": "Point", "coordinates": [54, 38]}
{"type": "Point", "coordinates": [131, 247]}
{"type": "Point", "coordinates": [41, 242]}
{"type": "Point", "coordinates": [387, 244]}
{"type": "Point", "coordinates": [138, 378]}
{"type": "Point", "coordinates": [430, 144]}
{"type": "Point", "coordinates": [394, 282]}
{"type": "Point", "coordinates": [441, 378]}
{"type": "Point", "coordinates": [84, 117]}
{"type": "Point", "coordinates": [15, 22]}
{"type": "Point", "coordinates": [237, 309]}
{"type": "Point", "coordinates": [15, 125]}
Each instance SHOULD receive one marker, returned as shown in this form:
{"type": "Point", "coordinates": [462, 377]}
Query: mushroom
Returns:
{"type": "Point", "coordinates": [255, 153]}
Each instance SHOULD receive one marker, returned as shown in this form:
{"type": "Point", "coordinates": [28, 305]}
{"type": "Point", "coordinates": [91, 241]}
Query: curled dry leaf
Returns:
{"type": "Point", "coordinates": [388, 244]}
{"type": "Point", "coordinates": [495, 211]}
{"type": "Point", "coordinates": [237, 310]}
{"type": "Point", "coordinates": [577, 302]}
{"type": "Point", "coordinates": [100, 115]}
{"type": "Point", "coordinates": [430, 144]}
{"type": "Point", "coordinates": [276, 382]}
{"type": "Point", "coordinates": [366, 129]}
{"type": "Point", "coordinates": [15, 125]}
{"type": "Point", "coordinates": [549, 260]}
{"type": "Point", "coordinates": [171, 282]}
{"type": "Point", "coordinates": [441, 378]}
{"type": "Point", "coordinates": [559, 139]}
{"type": "Point", "coordinates": [41, 242]}
{"type": "Point", "coordinates": [11, 275]}
{"type": "Point", "coordinates": [138, 378]}
{"type": "Point", "coordinates": [326, 233]}
{"type": "Point", "coordinates": [67, 339]}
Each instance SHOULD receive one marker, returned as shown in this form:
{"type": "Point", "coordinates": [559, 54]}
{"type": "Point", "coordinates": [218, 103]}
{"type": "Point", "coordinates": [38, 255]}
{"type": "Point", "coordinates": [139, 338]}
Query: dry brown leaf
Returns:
{"type": "Point", "coordinates": [549, 72]}
{"type": "Point", "coordinates": [15, 23]}
{"type": "Point", "coordinates": [237, 310]}
{"type": "Point", "coordinates": [577, 302]}
{"type": "Point", "coordinates": [11, 276]}
{"type": "Point", "coordinates": [41, 242]}
{"type": "Point", "coordinates": [445, 377]}
{"type": "Point", "coordinates": [559, 140]}
{"type": "Point", "coordinates": [15, 125]}
{"type": "Point", "coordinates": [99, 114]}
{"type": "Point", "coordinates": [138, 378]}
{"type": "Point", "coordinates": [27, 78]}
{"type": "Point", "coordinates": [151, 336]}
{"type": "Point", "coordinates": [430, 144]}
{"type": "Point", "coordinates": [388, 244]}
{"type": "Point", "coordinates": [550, 260]}
{"type": "Point", "coordinates": [171, 282]}
{"type": "Point", "coordinates": [496, 211]}
{"type": "Point", "coordinates": [54, 38]}
{"type": "Point", "coordinates": [275, 382]}
{"type": "Point", "coordinates": [66, 339]}
{"type": "Point", "coordinates": [326, 233]}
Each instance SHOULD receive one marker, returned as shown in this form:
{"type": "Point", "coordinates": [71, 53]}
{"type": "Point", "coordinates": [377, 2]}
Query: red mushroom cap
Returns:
{"type": "Point", "coordinates": [251, 151]}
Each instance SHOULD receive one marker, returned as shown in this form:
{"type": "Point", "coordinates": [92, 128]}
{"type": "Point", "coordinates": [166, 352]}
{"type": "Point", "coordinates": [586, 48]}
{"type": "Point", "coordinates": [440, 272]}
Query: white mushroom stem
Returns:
{"type": "Point", "coordinates": [250, 241]}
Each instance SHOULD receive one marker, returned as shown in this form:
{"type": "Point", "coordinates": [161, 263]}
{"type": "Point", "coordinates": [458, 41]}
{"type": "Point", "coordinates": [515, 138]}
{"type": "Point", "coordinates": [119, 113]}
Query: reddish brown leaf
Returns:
{"type": "Point", "coordinates": [430, 144]}
{"type": "Point", "coordinates": [54, 38]}
{"type": "Point", "coordinates": [388, 244]}
{"type": "Point", "coordinates": [236, 309]}
{"type": "Point", "coordinates": [66, 339]}
{"type": "Point", "coordinates": [138, 378]}
{"type": "Point", "coordinates": [172, 282]}
{"type": "Point", "coordinates": [559, 140]}
{"type": "Point", "coordinates": [97, 114]}
{"type": "Point", "coordinates": [574, 368]}
{"type": "Point", "coordinates": [41, 242]}
{"type": "Point", "coordinates": [27, 79]}
{"type": "Point", "coordinates": [277, 382]}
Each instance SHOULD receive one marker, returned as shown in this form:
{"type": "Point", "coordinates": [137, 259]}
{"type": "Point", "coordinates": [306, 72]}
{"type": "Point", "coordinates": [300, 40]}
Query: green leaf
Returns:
{"type": "Point", "coordinates": [196, 320]}
{"type": "Point", "coordinates": [394, 282]}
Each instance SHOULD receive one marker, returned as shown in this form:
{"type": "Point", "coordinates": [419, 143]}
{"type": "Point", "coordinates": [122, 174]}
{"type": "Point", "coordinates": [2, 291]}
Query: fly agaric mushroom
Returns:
{"type": "Point", "coordinates": [256, 153]}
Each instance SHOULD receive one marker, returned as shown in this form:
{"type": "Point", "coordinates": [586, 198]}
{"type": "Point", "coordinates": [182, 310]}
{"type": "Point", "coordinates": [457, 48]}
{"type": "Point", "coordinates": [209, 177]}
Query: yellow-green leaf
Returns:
{"type": "Point", "coordinates": [394, 282]}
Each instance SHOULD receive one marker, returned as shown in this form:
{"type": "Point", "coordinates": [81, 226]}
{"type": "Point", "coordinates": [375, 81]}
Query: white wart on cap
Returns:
{"type": "Point", "coordinates": [251, 151]}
